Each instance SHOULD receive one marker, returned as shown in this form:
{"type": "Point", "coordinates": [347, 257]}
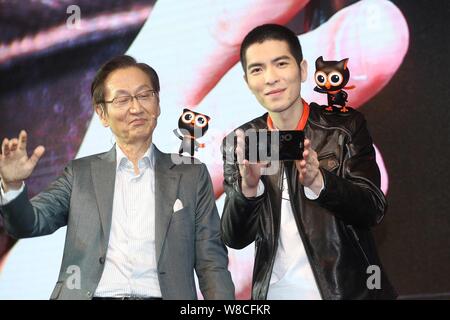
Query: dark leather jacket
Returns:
{"type": "Point", "coordinates": [335, 228]}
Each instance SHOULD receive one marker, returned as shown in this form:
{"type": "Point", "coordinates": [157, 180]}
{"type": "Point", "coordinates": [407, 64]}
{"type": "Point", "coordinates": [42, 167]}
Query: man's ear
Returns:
{"type": "Point", "coordinates": [303, 70]}
{"type": "Point", "coordinates": [101, 112]}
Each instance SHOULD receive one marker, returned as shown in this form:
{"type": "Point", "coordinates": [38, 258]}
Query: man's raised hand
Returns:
{"type": "Point", "coordinates": [15, 165]}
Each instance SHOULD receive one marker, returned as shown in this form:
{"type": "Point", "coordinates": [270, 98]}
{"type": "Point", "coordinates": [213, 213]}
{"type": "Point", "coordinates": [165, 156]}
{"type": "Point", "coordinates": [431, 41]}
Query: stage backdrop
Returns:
{"type": "Point", "coordinates": [397, 50]}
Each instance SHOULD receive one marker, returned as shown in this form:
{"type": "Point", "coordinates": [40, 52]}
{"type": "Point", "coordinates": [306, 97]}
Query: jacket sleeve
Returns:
{"type": "Point", "coordinates": [211, 258]}
{"type": "Point", "coordinates": [240, 214]}
{"type": "Point", "coordinates": [42, 215]}
{"type": "Point", "coordinates": [356, 197]}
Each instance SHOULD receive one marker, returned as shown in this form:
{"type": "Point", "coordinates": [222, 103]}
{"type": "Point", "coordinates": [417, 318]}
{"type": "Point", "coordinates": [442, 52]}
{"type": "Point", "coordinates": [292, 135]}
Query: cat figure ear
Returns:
{"type": "Point", "coordinates": [319, 63]}
{"type": "Point", "coordinates": [343, 64]}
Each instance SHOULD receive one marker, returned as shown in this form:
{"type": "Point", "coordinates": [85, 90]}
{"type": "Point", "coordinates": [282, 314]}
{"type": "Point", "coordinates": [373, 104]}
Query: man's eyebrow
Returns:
{"type": "Point", "coordinates": [143, 86]}
{"type": "Point", "coordinates": [281, 58]}
{"type": "Point", "coordinates": [259, 64]}
{"type": "Point", "coordinates": [119, 92]}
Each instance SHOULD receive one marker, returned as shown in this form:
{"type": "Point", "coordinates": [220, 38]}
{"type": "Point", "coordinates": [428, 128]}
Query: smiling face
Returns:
{"type": "Point", "coordinates": [131, 123]}
{"type": "Point", "coordinates": [273, 75]}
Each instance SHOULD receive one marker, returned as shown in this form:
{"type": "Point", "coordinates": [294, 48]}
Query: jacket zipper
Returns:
{"type": "Point", "coordinates": [341, 156]}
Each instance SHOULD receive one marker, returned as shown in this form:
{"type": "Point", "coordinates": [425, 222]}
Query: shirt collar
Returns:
{"type": "Point", "coordinates": [146, 160]}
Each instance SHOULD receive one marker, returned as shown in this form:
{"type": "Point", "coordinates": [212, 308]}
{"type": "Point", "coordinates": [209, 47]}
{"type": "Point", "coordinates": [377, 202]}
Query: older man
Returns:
{"type": "Point", "coordinates": [136, 226]}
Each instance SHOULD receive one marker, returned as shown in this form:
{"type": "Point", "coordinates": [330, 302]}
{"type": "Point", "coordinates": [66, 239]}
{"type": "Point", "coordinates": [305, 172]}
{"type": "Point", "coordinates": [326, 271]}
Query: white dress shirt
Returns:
{"type": "Point", "coordinates": [130, 264]}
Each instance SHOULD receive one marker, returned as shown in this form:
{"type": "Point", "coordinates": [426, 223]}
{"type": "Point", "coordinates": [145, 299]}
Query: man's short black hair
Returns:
{"type": "Point", "coordinates": [271, 32]}
{"type": "Point", "coordinates": [116, 63]}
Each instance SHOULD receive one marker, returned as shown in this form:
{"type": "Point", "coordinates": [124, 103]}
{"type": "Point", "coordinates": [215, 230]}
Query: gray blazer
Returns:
{"type": "Point", "coordinates": [82, 199]}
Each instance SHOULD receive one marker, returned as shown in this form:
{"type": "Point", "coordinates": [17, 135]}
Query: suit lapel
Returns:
{"type": "Point", "coordinates": [103, 171]}
{"type": "Point", "coordinates": [166, 191]}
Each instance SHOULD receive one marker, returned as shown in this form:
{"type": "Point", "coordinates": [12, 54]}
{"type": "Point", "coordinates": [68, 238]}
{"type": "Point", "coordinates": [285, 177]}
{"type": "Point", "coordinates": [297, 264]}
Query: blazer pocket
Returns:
{"type": "Point", "coordinates": [182, 224]}
{"type": "Point", "coordinates": [181, 214]}
{"type": "Point", "coordinates": [179, 211]}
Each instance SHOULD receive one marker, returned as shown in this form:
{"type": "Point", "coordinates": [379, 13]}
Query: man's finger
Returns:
{"type": "Point", "coordinates": [240, 137]}
{"type": "Point", "coordinates": [37, 154]}
{"type": "Point", "coordinates": [240, 146]}
{"type": "Point", "coordinates": [307, 144]}
{"type": "Point", "coordinates": [239, 154]}
{"type": "Point", "coordinates": [306, 154]}
{"type": "Point", "coordinates": [243, 168]}
{"type": "Point", "coordinates": [5, 147]}
{"type": "Point", "coordinates": [13, 144]}
{"type": "Point", "coordinates": [22, 140]}
{"type": "Point", "coordinates": [302, 164]}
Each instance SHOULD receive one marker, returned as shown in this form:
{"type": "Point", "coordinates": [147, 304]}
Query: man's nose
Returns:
{"type": "Point", "coordinates": [271, 76]}
{"type": "Point", "coordinates": [135, 105]}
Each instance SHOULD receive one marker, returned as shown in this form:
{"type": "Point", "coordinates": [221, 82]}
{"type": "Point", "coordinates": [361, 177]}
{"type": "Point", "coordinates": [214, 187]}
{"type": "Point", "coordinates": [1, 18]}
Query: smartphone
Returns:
{"type": "Point", "coordinates": [266, 145]}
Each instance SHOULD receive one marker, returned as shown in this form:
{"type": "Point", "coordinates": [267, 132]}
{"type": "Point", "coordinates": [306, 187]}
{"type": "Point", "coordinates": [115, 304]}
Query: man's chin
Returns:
{"type": "Point", "coordinates": [140, 134]}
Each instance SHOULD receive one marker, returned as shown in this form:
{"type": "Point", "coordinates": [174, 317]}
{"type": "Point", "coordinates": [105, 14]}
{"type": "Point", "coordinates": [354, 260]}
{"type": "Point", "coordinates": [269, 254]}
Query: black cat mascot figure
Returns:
{"type": "Point", "coordinates": [192, 125]}
{"type": "Point", "coordinates": [331, 78]}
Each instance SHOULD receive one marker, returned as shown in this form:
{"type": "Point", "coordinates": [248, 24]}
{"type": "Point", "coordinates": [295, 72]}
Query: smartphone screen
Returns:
{"type": "Point", "coordinates": [265, 145]}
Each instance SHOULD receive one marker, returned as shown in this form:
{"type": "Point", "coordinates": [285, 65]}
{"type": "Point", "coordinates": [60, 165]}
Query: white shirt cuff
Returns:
{"type": "Point", "coordinates": [308, 192]}
{"type": "Point", "coordinates": [311, 194]}
{"type": "Point", "coordinates": [7, 197]}
{"type": "Point", "coordinates": [260, 188]}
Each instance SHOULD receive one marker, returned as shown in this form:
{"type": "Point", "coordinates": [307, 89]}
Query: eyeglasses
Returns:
{"type": "Point", "coordinates": [144, 98]}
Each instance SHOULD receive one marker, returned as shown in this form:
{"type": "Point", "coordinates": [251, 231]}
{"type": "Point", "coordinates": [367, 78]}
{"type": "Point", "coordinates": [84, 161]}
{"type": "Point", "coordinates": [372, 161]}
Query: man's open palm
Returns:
{"type": "Point", "coordinates": [15, 165]}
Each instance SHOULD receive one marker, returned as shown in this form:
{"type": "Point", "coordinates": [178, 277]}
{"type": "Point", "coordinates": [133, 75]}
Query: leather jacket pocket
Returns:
{"type": "Point", "coordinates": [328, 161]}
